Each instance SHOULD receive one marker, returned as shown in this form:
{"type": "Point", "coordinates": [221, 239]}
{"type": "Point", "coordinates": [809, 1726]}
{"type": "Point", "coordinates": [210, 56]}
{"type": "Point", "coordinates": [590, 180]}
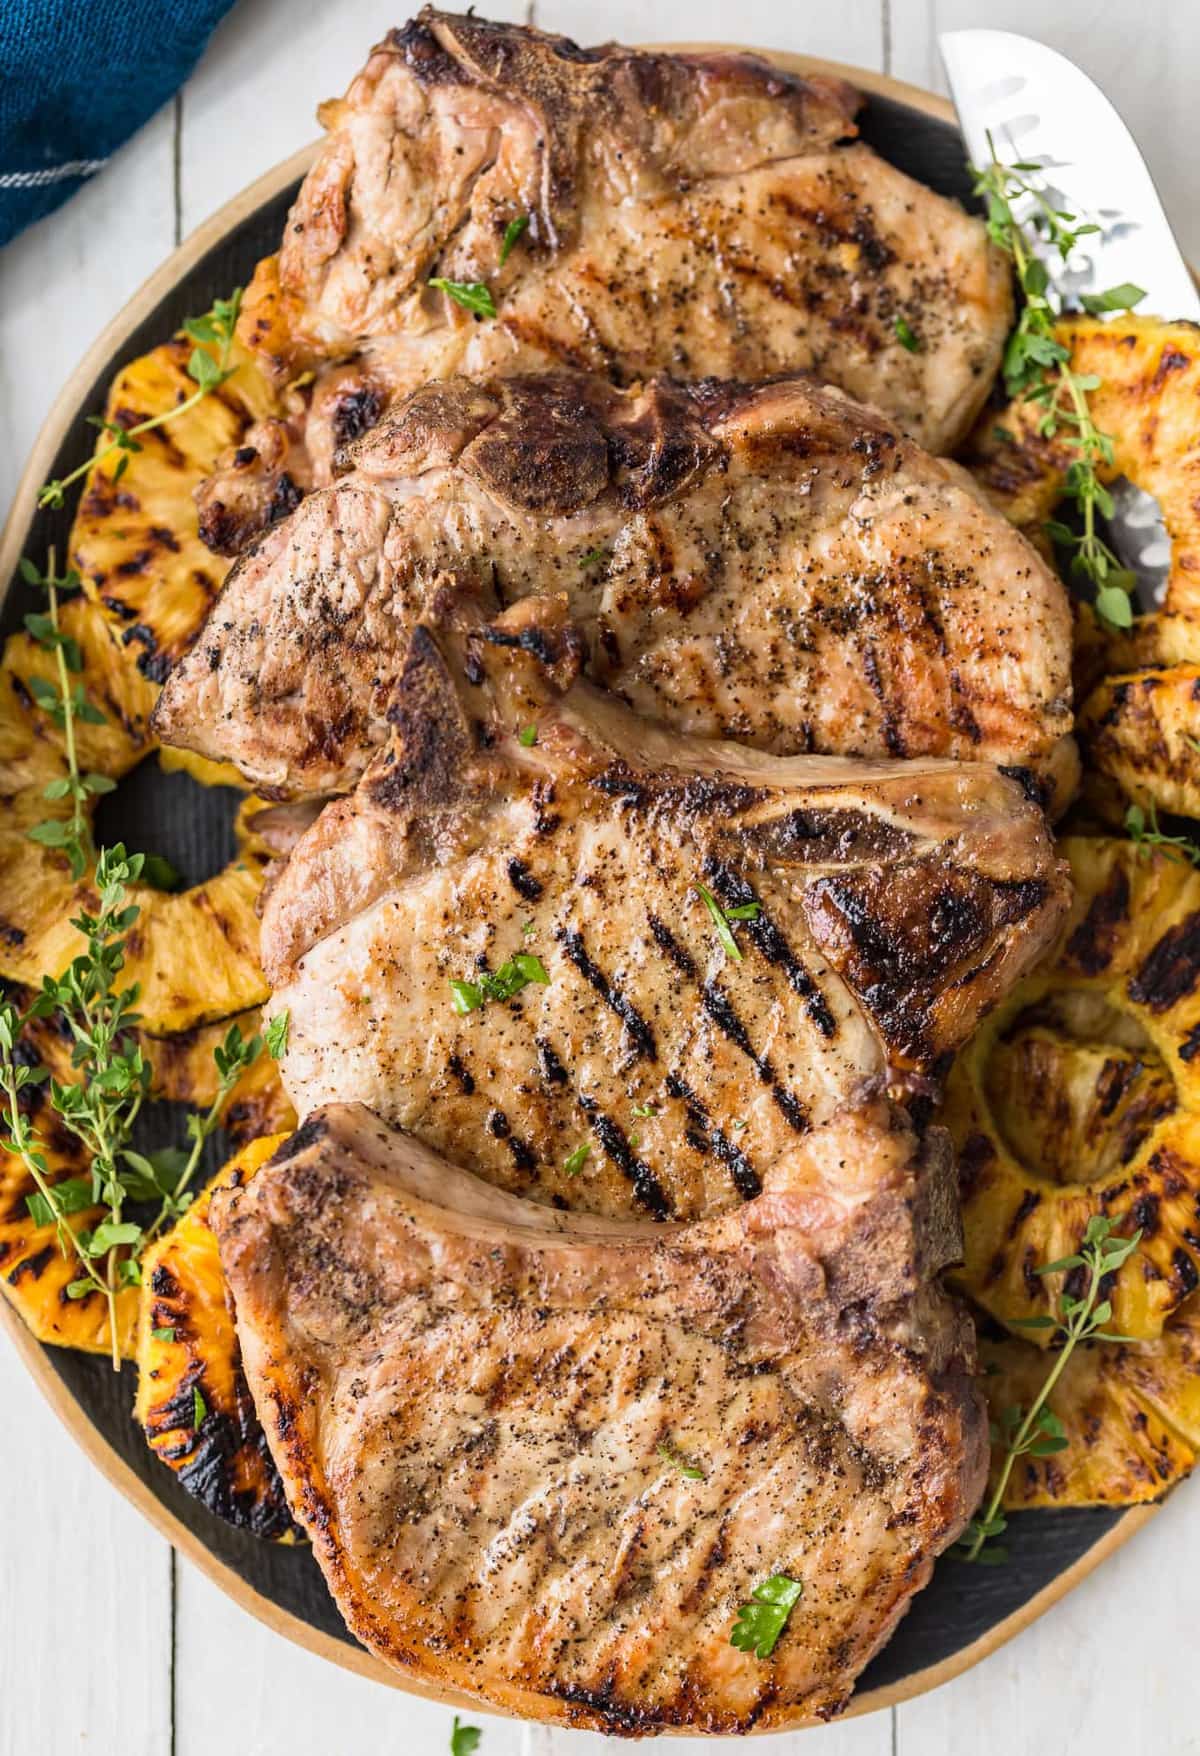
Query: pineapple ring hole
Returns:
{"type": "Point", "coordinates": [1074, 1087]}
{"type": "Point", "coordinates": [174, 818]}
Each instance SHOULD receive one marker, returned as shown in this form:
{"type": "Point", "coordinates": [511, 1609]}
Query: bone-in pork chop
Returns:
{"type": "Point", "coordinates": [875, 912]}
{"type": "Point", "coordinates": [545, 1460]}
{"type": "Point", "coordinates": [698, 214]}
{"type": "Point", "coordinates": [772, 564]}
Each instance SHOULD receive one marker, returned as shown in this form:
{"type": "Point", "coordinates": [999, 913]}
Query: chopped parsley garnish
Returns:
{"type": "Point", "coordinates": [162, 1335]}
{"type": "Point", "coordinates": [575, 1161]}
{"type": "Point", "coordinates": [464, 1740]}
{"type": "Point", "coordinates": [512, 232]}
{"type": "Point", "coordinates": [906, 336]}
{"type": "Point", "coordinates": [527, 737]}
{"type": "Point", "coordinates": [513, 975]}
{"type": "Point", "coordinates": [645, 1109]}
{"type": "Point", "coordinates": [745, 911]}
{"type": "Point", "coordinates": [472, 295]}
{"type": "Point", "coordinates": [690, 1471]}
{"type": "Point", "coordinates": [590, 557]}
{"type": "Point", "coordinates": [760, 1622]}
{"type": "Point", "coordinates": [199, 1409]}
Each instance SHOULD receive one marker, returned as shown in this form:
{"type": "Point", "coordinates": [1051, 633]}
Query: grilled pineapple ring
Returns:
{"type": "Point", "coordinates": [194, 954]}
{"type": "Point", "coordinates": [1082, 1096]}
{"type": "Point", "coordinates": [1139, 692]}
{"type": "Point", "coordinates": [192, 1402]}
{"type": "Point", "coordinates": [34, 1271]}
{"type": "Point", "coordinates": [1131, 1417]}
{"type": "Point", "coordinates": [135, 541]}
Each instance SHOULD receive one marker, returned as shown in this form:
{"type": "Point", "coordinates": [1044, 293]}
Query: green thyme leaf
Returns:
{"type": "Point", "coordinates": [527, 737]}
{"type": "Point", "coordinates": [277, 1035]}
{"type": "Point", "coordinates": [575, 1161]}
{"type": "Point", "coordinates": [199, 1409]}
{"type": "Point", "coordinates": [905, 336]}
{"type": "Point", "coordinates": [162, 1334]}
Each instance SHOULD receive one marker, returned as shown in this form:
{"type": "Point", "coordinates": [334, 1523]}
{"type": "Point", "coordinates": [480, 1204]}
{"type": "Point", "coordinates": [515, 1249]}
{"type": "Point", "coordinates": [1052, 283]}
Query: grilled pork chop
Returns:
{"type": "Point", "coordinates": [519, 814]}
{"type": "Point", "coordinates": [694, 214]}
{"type": "Point", "coordinates": [544, 1459]}
{"type": "Point", "coordinates": [773, 564]}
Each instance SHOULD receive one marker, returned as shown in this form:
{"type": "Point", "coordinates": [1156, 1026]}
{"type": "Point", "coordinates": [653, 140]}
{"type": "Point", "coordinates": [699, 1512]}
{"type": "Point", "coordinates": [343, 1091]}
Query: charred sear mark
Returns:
{"type": "Point", "coordinates": [465, 1078]}
{"type": "Point", "coordinates": [225, 1464]}
{"type": "Point", "coordinates": [1171, 968]}
{"type": "Point", "coordinates": [549, 1064]}
{"type": "Point", "coordinates": [706, 1136]}
{"type": "Point", "coordinates": [767, 939]}
{"type": "Point", "coordinates": [724, 1014]}
{"type": "Point", "coordinates": [821, 837]}
{"type": "Point", "coordinates": [640, 1033]}
{"type": "Point", "coordinates": [646, 1187]}
{"type": "Point", "coordinates": [1093, 942]}
{"type": "Point", "coordinates": [523, 881]}
{"type": "Point", "coordinates": [666, 941]}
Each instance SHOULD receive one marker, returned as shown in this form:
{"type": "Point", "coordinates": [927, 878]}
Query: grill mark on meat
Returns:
{"type": "Point", "coordinates": [667, 942]}
{"type": "Point", "coordinates": [646, 1187]}
{"type": "Point", "coordinates": [1171, 969]}
{"type": "Point", "coordinates": [640, 1034]}
{"type": "Point", "coordinates": [705, 1136]}
{"type": "Point", "coordinates": [721, 1010]}
{"type": "Point", "coordinates": [552, 1069]}
{"type": "Point", "coordinates": [465, 1079]}
{"type": "Point", "coordinates": [523, 880]}
{"type": "Point", "coordinates": [735, 892]}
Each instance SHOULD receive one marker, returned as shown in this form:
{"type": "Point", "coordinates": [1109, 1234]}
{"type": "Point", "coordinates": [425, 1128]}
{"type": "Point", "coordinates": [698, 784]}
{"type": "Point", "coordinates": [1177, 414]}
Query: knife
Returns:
{"type": "Point", "coordinates": [1039, 108]}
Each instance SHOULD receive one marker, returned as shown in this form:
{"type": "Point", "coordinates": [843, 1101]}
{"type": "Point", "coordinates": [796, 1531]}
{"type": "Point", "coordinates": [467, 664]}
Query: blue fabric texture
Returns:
{"type": "Point", "coordinates": [77, 77]}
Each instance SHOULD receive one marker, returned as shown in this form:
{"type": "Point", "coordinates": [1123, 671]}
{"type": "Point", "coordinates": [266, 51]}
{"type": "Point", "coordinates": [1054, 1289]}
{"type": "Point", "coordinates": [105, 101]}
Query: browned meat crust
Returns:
{"type": "Point", "coordinates": [475, 1405]}
{"type": "Point", "coordinates": [773, 564]}
{"type": "Point", "coordinates": [692, 214]}
{"type": "Point", "coordinates": [895, 903]}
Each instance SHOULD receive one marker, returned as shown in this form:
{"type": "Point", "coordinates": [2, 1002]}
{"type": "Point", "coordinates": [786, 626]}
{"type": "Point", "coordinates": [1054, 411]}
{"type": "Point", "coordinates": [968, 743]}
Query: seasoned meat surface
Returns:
{"type": "Point", "coordinates": [515, 813]}
{"type": "Point", "coordinates": [692, 214]}
{"type": "Point", "coordinates": [482, 1411]}
{"type": "Point", "coordinates": [773, 564]}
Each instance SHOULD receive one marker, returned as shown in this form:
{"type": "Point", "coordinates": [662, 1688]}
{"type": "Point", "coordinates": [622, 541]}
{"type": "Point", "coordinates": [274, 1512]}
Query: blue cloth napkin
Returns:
{"type": "Point", "coordinates": [76, 78]}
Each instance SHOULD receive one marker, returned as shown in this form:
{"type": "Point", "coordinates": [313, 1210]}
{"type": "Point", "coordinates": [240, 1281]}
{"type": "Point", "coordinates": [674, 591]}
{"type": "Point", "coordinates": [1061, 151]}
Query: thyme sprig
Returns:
{"type": "Point", "coordinates": [1037, 1431]}
{"type": "Point", "coordinates": [208, 371]}
{"type": "Point", "coordinates": [67, 705]}
{"type": "Point", "coordinates": [1142, 829]}
{"type": "Point", "coordinates": [1037, 368]}
{"type": "Point", "coordinates": [99, 1106]}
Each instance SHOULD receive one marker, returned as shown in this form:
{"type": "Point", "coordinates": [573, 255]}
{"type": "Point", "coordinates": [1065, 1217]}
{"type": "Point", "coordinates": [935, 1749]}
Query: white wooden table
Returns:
{"type": "Point", "coordinates": [110, 1644]}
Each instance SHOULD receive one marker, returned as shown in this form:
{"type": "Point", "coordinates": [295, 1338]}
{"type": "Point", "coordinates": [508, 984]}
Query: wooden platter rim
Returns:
{"type": "Point", "coordinates": [34, 1354]}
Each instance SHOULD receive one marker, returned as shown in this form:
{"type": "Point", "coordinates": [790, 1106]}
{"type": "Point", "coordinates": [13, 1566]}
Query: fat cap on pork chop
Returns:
{"type": "Point", "coordinates": [774, 564]}
{"type": "Point", "coordinates": [698, 214]}
{"type": "Point", "coordinates": [479, 1408]}
{"type": "Point", "coordinates": [885, 907]}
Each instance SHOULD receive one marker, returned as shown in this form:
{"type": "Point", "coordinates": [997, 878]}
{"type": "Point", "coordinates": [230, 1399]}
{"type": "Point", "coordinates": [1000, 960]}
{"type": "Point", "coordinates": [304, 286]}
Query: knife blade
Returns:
{"type": "Point", "coordinates": [1020, 101]}
{"type": "Point", "coordinates": [1039, 108]}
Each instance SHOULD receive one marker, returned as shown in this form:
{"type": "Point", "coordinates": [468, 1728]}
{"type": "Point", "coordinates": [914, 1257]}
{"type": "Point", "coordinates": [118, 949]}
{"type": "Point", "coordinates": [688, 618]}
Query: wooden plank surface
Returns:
{"type": "Point", "coordinates": [107, 1644]}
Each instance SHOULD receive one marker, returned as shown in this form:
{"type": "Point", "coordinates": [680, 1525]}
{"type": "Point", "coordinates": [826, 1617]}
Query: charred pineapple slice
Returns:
{"type": "Point", "coordinates": [1140, 716]}
{"type": "Point", "coordinates": [34, 1271]}
{"type": "Point", "coordinates": [135, 541]}
{"type": "Point", "coordinates": [1082, 1096]}
{"type": "Point", "coordinates": [1147, 401]}
{"type": "Point", "coordinates": [192, 1400]}
{"type": "Point", "coordinates": [1130, 1415]}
